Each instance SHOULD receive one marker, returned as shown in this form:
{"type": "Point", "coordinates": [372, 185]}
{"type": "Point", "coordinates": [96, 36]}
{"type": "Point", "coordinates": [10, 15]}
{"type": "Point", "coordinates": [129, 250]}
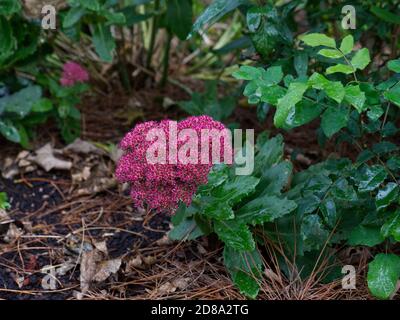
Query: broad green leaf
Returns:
{"type": "Point", "coordinates": [179, 17]}
{"type": "Point", "coordinates": [269, 29]}
{"type": "Point", "coordinates": [347, 44]}
{"type": "Point", "coordinates": [103, 42]}
{"type": "Point", "coordinates": [313, 232]}
{"type": "Point", "coordinates": [375, 112]}
{"type": "Point", "coordinates": [341, 68]}
{"type": "Point", "coordinates": [215, 11]}
{"type": "Point", "coordinates": [231, 192]}
{"type": "Point", "coordinates": [394, 65]}
{"type": "Point", "coordinates": [288, 101]}
{"type": "Point", "coordinates": [20, 103]}
{"type": "Point", "coordinates": [8, 130]}
{"type": "Point", "coordinates": [383, 274]}
{"type": "Point", "coordinates": [385, 15]}
{"type": "Point", "coordinates": [334, 119]}
{"type": "Point", "coordinates": [365, 236]}
{"type": "Point", "coordinates": [361, 59]}
{"type": "Point", "coordinates": [272, 94]}
{"type": "Point", "coordinates": [318, 39]}
{"type": "Point", "coordinates": [269, 153]}
{"type": "Point", "coordinates": [73, 16]}
{"type": "Point", "coordinates": [301, 63]}
{"type": "Point", "coordinates": [273, 75]}
{"type": "Point", "coordinates": [304, 112]}
{"type": "Point", "coordinates": [245, 268]}
{"type": "Point", "coordinates": [334, 89]}
{"type": "Point", "coordinates": [328, 210]}
{"type": "Point", "coordinates": [9, 7]}
{"type": "Point", "coordinates": [4, 201]}
{"type": "Point", "coordinates": [113, 18]}
{"type": "Point", "coordinates": [355, 97]}
{"type": "Point", "coordinates": [7, 40]}
{"type": "Point", "coordinates": [235, 235]}
{"type": "Point", "coordinates": [93, 5]}
{"type": "Point", "coordinates": [264, 209]}
{"type": "Point", "coordinates": [42, 105]}
{"type": "Point", "coordinates": [275, 178]}
{"type": "Point", "coordinates": [247, 73]}
{"type": "Point", "coordinates": [393, 95]}
{"type": "Point", "coordinates": [387, 195]}
{"type": "Point", "coordinates": [188, 229]}
{"type": "Point", "coordinates": [342, 190]}
{"type": "Point", "coordinates": [368, 178]}
{"type": "Point", "coordinates": [330, 53]}
{"type": "Point", "coordinates": [392, 226]}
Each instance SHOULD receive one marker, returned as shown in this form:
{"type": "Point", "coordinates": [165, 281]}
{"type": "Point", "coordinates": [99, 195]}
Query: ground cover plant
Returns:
{"type": "Point", "coordinates": [319, 86]}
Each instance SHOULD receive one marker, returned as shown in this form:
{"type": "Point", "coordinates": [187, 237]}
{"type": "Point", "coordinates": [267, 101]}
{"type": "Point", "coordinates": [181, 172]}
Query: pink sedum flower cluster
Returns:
{"type": "Point", "coordinates": [160, 186]}
{"type": "Point", "coordinates": [73, 73]}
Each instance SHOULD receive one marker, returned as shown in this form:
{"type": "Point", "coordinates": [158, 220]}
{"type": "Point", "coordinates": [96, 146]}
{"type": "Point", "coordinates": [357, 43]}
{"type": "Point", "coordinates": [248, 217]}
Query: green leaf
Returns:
{"type": "Point", "coordinates": [20, 103]}
{"type": "Point", "coordinates": [334, 89]}
{"type": "Point", "coordinates": [179, 17]}
{"type": "Point", "coordinates": [313, 233]}
{"type": "Point", "coordinates": [394, 65]}
{"type": "Point", "coordinates": [42, 105]}
{"type": "Point", "coordinates": [355, 97]}
{"type": "Point", "coordinates": [9, 7]}
{"type": "Point", "coordinates": [93, 5]}
{"type": "Point", "coordinates": [330, 53]}
{"type": "Point", "coordinates": [387, 195]}
{"type": "Point", "coordinates": [392, 226]}
{"type": "Point", "coordinates": [271, 95]}
{"type": "Point", "coordinates": [4, 201]}
{"type": "Point", "coordinates": [341, 68]}
{"type": "Point", "coordinates": [274, 179]}
{"type": "Point", "coordinates": [375, 112]}
{"type": "Point", "coordinates": [231, 192]}
{"type": "Point", "coordinates": [301, 63]}
{"type": "Point", "coordinates": [265, 209]}
{"type": "Point", "coordinates": [215, 11]}
{"type": "Point", "coordinates": [245, 268]}
{"type": "Point", "coordinates": [273, 75]}
{"type": "Point", "coordinates": [73, 16]}
{"type": "Point", "coordinates": [365, 236]}
{"type": "Point", "coordinates": [334, 119]}
{"type": "Point", "coordinates": [383, 274]}
{"type": "Point", "coordinates": [113, 18]}
{"type": "Point", "coordinates": [318, 39]}
{"type": "Point", "coordinates": [269, 153]}
{"type": "Point", "coordinates": [347, 44]}
{"type": "Point", "coordinates": [103, 42]}
{"type": "Point", "coordinates": [247, 73]}
{"type": "Point", "coordinates": [361, 59]}
{"type": "Point", "coordinates": [385, 15]}
{"type": "Point", "coordinates": [187, 229]}
{"type": "Point", "coordinates": [7, 40]}
{"type": "Point", "coordinates": [235, 234]}
{"type": "Point", "coordinates": [303, 112]}
{"type": "Point", "coordinates": [8, 130]}
{"type": "Point", "coordinates": [288, 101]}
{"type": "Point", "coordinates": [328, 210]}
{"type": "Point", "coordinates": [393, 95]}
{"type": "Point", "coordinates": [368, 178]}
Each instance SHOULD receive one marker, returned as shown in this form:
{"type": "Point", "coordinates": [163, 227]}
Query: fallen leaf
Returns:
{"type": "Point", "coordinates": [82, 146]}
{"type": "Point", "coordinates": [45, 158]}
{"type": "Point", "coordinates": [95, 268]}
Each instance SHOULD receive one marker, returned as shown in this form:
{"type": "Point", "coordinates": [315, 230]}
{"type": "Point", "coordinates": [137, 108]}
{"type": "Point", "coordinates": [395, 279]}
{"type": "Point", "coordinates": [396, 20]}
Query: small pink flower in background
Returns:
{"type": "Point", "coordinates": [160, 186]}
{"type": "Point", "coordinates": [73, 73]}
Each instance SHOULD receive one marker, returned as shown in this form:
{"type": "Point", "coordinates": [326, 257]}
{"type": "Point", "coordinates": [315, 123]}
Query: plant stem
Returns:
{"type": "Point", "coordinates": [154, 29]}
{"type": "Point", "coordinates": [166, 60]}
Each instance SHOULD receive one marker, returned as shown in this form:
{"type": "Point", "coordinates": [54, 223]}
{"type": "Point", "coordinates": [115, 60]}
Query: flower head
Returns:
{"type": "Point", "coordinates": [73, 73]}
{"type": "Point", "coordinates": [161, 185]}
